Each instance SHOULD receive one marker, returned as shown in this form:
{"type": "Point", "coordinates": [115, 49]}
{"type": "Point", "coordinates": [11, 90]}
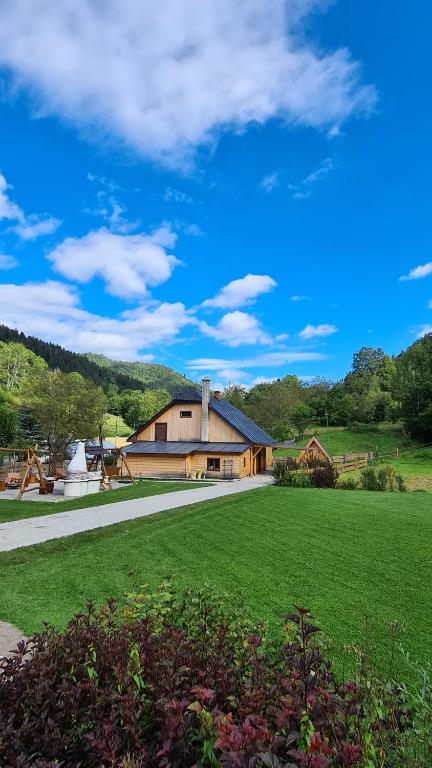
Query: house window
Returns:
{"type": "Point", "coordinates": [185, 414]}
{"type": "Point", "coordinates": [244, 461]}
{"type": "Point", "coordinates": [213, 465]}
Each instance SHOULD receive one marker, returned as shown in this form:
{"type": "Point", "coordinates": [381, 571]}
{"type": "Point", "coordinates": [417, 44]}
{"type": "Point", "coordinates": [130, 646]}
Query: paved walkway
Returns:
{"type": "Point", "coordinates": [10, 636]}
{"type": "Point", "coordinates": [34, 530]}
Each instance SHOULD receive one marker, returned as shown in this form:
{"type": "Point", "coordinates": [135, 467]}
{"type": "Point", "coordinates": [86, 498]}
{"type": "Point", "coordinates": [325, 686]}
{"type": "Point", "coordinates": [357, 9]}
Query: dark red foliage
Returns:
{"type": "Point", "coordinates": [323, 475]}
{"type": "Point", "coordinates": [184, 687]}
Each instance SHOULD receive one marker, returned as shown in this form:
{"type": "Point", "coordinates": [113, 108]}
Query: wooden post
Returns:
{"type": "Point", "coordinates": [32, 458]}
{"type": "Point", "coordinates": [124, 462]}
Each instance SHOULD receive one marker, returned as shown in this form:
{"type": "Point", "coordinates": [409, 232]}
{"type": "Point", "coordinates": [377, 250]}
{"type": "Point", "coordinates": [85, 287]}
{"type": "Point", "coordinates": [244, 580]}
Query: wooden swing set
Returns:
{"type": "Point", "coordinates": [119, 470]}
{"type": "Point", "coordinates": [18, 476]}
{"type": "Point", "coordinates": [31, 466]}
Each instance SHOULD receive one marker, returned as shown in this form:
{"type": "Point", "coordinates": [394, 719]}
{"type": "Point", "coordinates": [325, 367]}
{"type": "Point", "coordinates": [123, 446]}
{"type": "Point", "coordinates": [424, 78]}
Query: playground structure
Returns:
{"type": "Point", "coordinates": [119, 468]}
{"type": "Point", "coordinates": [20, 472]}
{"type": "Point", "coordinates": [24, 470]}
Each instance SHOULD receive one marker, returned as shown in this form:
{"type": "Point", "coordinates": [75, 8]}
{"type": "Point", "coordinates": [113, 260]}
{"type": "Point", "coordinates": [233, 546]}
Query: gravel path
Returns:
{"type": "Point", "coordinates": [10, 636]}
{"type": "Point", "coordinates": [34, 530]}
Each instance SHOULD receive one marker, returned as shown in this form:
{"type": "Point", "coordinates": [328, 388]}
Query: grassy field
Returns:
{"type": "Point", "coordinates": [340, 440]}
{"type": "Point", "coordinates": [346, 555]}
{"type": "Point", "coordinates": [115, 426]}
{"type": "Point", "coordinates": [19, 510]}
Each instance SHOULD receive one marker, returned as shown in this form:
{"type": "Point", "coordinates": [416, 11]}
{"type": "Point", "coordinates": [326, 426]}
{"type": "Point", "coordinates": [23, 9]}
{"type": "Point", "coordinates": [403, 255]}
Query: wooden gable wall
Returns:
{"type": "Point", "coordinates": [189, 430]}
{"type": "Point", "coordinates": [222, 432]}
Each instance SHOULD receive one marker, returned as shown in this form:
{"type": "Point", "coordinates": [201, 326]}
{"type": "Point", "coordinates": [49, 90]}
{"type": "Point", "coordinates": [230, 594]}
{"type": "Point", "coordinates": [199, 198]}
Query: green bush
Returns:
{"type": "Point", "coordinates": [386, 477]}
{"type": "Point", "coordinates": [414, 748]}
{"type": "Point", "coordinates": [296, 479]}
{"type": "Point", "coordinates": [369, 480]}
{"type": "Point", "coordinates": [348, 484]}
{"type": "Point", "coordinates": [400, 482]}
{"type": "Point", "coordinates": [383, 478]}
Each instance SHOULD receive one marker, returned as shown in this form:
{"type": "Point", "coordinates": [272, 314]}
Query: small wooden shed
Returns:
{"type": "Point", "coordinates": [314, 450]}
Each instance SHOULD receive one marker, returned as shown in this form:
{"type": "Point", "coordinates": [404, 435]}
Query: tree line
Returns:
{"type": "Point", "coordinates": [377, 388]}
{"type": "Point", "coordinates": [53, 407]}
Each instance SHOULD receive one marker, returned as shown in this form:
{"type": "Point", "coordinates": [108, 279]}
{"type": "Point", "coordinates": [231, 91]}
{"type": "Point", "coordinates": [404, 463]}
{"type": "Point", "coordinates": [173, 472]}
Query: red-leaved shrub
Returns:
{"type": "Point", "coordinates": [181, 681]}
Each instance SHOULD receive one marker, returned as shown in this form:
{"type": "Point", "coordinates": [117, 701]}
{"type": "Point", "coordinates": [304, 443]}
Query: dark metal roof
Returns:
{"type": "Point", "coordinates": [174, 447]}
{"type": "Point", "coordinates": [188, 396]}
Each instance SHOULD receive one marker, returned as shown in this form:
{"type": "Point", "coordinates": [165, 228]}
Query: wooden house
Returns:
{"type": "Point", "coordinates": [196, 432]}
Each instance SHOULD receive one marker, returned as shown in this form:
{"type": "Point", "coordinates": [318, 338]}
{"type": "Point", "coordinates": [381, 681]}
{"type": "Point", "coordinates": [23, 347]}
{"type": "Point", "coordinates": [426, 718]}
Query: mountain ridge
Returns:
{"type": "Point", "coordinates": [98, 368]}
{"type": "Point", "coordinates": [152, 375]}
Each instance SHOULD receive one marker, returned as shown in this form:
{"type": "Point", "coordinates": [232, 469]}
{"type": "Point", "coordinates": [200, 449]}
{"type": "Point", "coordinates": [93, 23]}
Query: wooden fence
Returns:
{"type": "Point", "coordinates": [351, 462]}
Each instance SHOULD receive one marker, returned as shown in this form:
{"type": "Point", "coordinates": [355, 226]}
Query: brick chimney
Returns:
{"type": "Point", "coordinates": [217, 393]}
{"type": "Point", "coordinates": [205, 397]}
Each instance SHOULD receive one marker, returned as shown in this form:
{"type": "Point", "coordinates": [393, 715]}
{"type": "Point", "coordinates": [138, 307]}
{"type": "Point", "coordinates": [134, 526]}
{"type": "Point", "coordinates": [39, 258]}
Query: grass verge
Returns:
{"type": "Point", "coordinates": [19, 510]}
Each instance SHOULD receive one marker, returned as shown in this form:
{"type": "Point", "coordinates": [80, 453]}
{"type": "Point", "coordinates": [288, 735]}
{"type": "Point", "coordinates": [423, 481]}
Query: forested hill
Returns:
{"type": "Point", "coordinates": [151, 375]}
{"type": "Point", "coordinates": [99, 369]}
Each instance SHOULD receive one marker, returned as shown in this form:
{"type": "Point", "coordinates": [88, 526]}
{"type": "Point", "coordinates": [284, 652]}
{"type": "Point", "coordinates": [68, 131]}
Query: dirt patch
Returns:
{"type": "Point", "coordinates": [419, 483]}
{"type": "Point", "coordinates": [10, 636]}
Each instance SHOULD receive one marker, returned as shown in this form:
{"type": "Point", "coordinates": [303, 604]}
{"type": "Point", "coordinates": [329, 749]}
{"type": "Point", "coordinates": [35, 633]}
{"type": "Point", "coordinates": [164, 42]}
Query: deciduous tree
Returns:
{"type": "Point", "coordinates": [67, 408]}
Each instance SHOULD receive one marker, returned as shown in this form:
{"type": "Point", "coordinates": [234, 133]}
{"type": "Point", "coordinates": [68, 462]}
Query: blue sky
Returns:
{"type": "Point", "coordinates": [232, 189]}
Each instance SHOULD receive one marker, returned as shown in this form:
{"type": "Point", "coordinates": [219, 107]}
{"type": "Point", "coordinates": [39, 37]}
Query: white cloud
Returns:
{"type": "Point", "coordinates": [108, 206]}
{"type": "Point", "coordinates": [173, 195]}
{"type": "Point", "coordinates": [51, 311]}
{"type": "Point", "coordinates": [238, 371]}
{"type": "Point", "coordinates": [27, 227]}
{"type": "Point", "coordinates": [261, 380]}
{"type": "Point", "coordinates": [323, 169]}
{"type": "Point", "coordinates": [128, 264]}
{"type": "Point", "coordinates": [417, 273]}
{"type": "Point", "coordinates": [270, 182]}
{"type": "Point", "coordinates": [194, 230]}
{"type": "Point", "coordinates": [303, 189]}
{"type": "Point", "coordinates": [112, 211]}
{"type": "Point", "coordinates": [424, 330]}
{"type": "Point", "coordinates": [266, 360]}
{"type": "Point", "coordinates": [8, 209]}
{"type": "Point", "coordinates": [7, 262]}
{"type": "Point", "coordinates": [167, 75]}
{"type": "Point", "coordinates": [242, 292]}
{"type": "Point", "coordinates": [236, 328]}
{"type": "Point", "coordinates": [34, 226]}
{"type": "Point", "coordinates": [227, 376]}
{"type": "Point", "coordinates": [298, 298]}
{"type": "Point", "coordinates": [317, 331]}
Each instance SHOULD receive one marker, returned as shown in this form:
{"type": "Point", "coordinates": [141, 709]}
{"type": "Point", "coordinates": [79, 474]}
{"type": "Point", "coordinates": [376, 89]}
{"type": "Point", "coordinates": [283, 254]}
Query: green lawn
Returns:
{"type": "Point", "coordinates": [18, 510]}
{"type": "Point", "coordinates": [115, 426]}
{"type": "Point", "coordinates": [346, 555]}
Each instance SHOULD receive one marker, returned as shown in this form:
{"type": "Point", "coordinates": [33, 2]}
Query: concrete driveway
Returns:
{"type": "Point", "coordinates": [35, 530]}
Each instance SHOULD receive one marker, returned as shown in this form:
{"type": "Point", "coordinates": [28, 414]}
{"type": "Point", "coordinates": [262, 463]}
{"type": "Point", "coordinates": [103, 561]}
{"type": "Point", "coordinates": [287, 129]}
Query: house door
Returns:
{"type": "Point", "coordinates": [260, 461]}
{"type": "Point", "coordinates": [160, 430]}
